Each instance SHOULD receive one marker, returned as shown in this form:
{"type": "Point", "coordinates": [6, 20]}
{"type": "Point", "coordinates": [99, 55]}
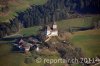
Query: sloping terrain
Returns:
{"type": "Point", "coordinates": [16, 6]}
{"type": "Point", "coordinates": [89, 41]}
{"type": "Point", "coordinates": [9, 58]}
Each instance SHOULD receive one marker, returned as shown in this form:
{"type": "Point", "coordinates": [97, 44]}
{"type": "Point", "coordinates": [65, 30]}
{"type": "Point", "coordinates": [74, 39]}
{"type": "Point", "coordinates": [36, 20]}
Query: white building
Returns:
{"type": "Point", "coordinates": [52, 31]}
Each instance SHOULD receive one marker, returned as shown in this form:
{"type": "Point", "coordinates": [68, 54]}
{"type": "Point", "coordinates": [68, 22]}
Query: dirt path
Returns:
{"type": "Point", "coordinates": [13, 35]}
{"type": "Point", "coordinates": [48, 39]}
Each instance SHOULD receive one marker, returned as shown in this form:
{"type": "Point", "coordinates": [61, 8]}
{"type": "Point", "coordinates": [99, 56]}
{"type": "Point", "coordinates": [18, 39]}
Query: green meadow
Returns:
{"type": "Point", "coordinates": [88, 41]}
{"type": "Point", "coordinates": [29, 31]}
{"type": "Point", "coordinates": [77, 22]}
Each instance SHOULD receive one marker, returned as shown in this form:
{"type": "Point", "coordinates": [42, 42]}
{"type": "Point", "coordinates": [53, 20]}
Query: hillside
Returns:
{"type": "Point", "coordinates": [10, 58]}
{"type": "Point", "coordinates": [89, 41]}
{"type": "Point", "coordinates": [75, 22]}
{"type": "Point", "coordinates": [10, 8]}
{"type": "Point", "coordinates": [45, 12]}
{"type": "Point", "coordinates": [78, 23]}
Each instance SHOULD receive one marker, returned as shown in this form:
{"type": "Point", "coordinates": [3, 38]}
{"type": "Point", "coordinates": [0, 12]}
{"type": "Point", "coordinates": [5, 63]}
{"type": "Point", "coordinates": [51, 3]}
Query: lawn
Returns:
{"type": "Point", "coordinates": [89, 41]}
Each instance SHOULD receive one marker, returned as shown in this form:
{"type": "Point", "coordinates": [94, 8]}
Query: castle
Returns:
{"type": "Point", "coordinates": [51, 31]}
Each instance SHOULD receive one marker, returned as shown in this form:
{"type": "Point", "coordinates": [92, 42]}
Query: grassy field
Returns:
{"type": "Point", "coordinates": [29, 31]}
{"type": "Point", "coordinates": [77, 22]}
{"type": "Point", "coordinates": [89, 41]}
{"type": "Point", "coordinates": [19, 6]}
{"type": "Point", "coordinates": [7, 58]}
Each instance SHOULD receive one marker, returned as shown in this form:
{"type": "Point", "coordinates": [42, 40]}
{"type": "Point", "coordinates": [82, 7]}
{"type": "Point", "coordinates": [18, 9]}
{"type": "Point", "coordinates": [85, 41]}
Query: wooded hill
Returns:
{"type": "Point", "coordinates": [50, 11]}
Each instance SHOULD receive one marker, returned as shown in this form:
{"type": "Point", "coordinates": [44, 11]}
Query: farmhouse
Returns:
{"type": "Point", "coordinates": [26, 44]}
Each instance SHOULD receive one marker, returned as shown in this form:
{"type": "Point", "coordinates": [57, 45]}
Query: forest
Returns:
{"type": "Point", "coordinates": [48, 12]}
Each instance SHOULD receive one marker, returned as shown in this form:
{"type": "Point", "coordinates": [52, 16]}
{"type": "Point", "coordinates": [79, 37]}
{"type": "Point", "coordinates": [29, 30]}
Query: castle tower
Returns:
{"type": "Point", "coordinates": [54, 26]}
{"type": "Point", "coordinates": [55, 30]}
